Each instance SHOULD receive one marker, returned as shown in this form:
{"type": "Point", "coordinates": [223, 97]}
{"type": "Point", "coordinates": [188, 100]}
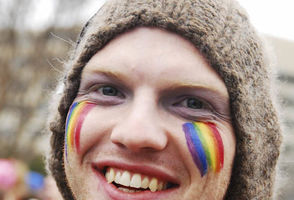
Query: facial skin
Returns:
{"type": "Point", "coordinates": [146, 84]}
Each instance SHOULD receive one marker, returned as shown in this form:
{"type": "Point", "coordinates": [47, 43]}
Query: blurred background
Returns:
{"type": "Point", "coordinates": [36, 36]}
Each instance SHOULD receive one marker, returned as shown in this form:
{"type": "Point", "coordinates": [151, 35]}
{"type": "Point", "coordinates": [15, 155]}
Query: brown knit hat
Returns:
{"type": "Point", "coordinates": [220, 30]}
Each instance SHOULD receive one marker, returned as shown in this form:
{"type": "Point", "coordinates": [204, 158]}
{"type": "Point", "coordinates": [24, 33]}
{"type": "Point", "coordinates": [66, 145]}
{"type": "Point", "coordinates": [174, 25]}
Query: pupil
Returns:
{"type": "Point", "coordinates": [194, 103]}
{"type": "Point", "coordinates": [110, 91]}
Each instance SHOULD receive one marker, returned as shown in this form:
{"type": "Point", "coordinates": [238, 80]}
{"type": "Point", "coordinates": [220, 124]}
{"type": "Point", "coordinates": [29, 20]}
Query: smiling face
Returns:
{"type": "Point", "coordinates": [128, 140]}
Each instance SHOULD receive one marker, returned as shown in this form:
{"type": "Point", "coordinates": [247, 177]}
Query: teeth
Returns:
{"type": "Point", "coordinates": [136, 181]}
{"type": "Point", "coordinates": [160, 186]}
{"type": "Point", "coordinates": [145, 183]}
{"type": "Point", "coordinates": [110, 176]}
{"type": "Point", "coordinates": [125, 189]}
{"type": "Point", "coordinates": [133, 180]}
{"type": "Point", "coordinates": [107, 176]}
{"type": "Point", "coordinates": [128, 190]}
{"type": "Point", "coordinates": [153, 184]}
{"type": "Point", "coordinates": [125, 179]}
{"type": "Point", "coordinates": [117, 177]}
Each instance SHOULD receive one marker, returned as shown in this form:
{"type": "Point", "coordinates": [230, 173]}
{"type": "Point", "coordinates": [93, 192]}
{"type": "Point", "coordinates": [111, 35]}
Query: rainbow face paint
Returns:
{"type": "Point", "coordinates": [75, 118]}
{"type": "Point", "coordinates": [205, 145]}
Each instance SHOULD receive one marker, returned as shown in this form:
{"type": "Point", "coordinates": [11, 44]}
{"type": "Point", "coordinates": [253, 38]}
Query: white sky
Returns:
{"type": "Point", "coordinates": [272, 17]}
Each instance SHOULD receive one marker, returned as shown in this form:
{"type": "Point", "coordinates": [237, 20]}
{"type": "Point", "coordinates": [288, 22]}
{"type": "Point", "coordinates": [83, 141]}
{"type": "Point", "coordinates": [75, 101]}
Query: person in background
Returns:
{"type": "Point", "coordinates": [12, 179]}
{"type": "Point", "coordinates": [166, 100]}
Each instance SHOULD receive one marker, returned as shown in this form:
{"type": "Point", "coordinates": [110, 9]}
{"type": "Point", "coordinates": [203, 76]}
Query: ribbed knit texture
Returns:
{"type": "Point", "coordinates": [222, 33]}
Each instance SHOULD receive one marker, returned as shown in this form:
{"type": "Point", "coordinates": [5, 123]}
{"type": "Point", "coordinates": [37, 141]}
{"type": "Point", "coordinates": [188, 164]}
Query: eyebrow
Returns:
{"type": "Point", "coordinates": [112, 75]}
{"type": "Point", "coordinates": [107, 73]}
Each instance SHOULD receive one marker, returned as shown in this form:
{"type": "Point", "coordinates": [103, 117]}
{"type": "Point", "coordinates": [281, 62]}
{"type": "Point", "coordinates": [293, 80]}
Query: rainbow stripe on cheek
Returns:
{"type": "Point", "coordinates": [205, 145]}
{"type": "Point", "coordinates": [75, 118]}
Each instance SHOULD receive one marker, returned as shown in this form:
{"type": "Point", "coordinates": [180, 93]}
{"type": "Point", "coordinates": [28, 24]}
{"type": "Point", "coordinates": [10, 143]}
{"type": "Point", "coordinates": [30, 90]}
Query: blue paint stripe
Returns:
{"type": "Point", "coordinates": [204, 157]}
{"type": "Point", "coordinates": [194, 153]}
{"type": "Point", "coordinates": [198, 146]}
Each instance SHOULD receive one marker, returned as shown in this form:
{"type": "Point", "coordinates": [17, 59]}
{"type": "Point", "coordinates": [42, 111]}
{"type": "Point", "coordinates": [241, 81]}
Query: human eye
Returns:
{"type": "Point", "coordinates": [192, 103]}
{"type": "Point", "coordinates": [193, 108]}
{"type": "Point", "coordinates": [109, 91]}
{"type": "Point", "coordinates": [104, 94]}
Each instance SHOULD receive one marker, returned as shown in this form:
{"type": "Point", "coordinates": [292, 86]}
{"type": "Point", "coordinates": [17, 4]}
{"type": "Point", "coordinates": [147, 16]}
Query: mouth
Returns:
{"type": "Point", "coordinates": [134, 181]}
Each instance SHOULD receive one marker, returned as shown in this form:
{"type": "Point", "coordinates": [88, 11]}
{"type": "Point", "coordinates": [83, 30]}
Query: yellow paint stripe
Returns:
{"type": "Point", "coordinates": [210, 142]}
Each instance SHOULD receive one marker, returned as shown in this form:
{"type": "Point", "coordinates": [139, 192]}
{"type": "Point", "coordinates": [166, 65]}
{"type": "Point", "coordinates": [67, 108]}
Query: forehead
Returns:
{"type": "Point", "coordinates": [158, 56]}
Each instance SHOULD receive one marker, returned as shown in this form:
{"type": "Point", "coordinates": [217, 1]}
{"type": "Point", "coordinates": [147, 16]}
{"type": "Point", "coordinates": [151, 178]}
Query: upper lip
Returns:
{"type": "Point", "coordinates": [148, 170]}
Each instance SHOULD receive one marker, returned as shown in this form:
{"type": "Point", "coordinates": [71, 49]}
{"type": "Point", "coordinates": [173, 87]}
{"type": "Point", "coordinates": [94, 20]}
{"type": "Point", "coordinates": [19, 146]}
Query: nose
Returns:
{"type": "Point", "coordinates": [140, 127]}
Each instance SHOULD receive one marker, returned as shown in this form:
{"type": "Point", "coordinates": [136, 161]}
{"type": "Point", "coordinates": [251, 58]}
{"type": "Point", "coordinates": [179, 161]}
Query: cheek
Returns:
{"type": "Point", "coordinates": [90, 127]}
{"type": "Point", "coordinates": [205, 145]}
{"type": "Point", "coordinates": [74, 123]}
{"type": "Point", "coordinates": [229, 145]}
{"type": "Point", "coordinates": [91, 132]}
{"type": "Point", "coordinates": [96, 130]}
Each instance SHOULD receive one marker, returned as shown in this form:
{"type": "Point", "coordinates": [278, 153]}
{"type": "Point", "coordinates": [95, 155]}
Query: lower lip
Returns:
{"type": "Point", "coordinates": [116, 194]}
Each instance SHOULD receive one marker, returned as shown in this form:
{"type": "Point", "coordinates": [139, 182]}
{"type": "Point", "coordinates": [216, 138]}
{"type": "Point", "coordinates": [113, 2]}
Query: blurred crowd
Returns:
{"type": "Point", "coordinates": [17, 182]}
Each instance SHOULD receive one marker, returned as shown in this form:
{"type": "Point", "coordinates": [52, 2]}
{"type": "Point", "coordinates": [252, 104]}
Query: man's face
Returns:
{"type": "Point", "coordinates": [128, 139]}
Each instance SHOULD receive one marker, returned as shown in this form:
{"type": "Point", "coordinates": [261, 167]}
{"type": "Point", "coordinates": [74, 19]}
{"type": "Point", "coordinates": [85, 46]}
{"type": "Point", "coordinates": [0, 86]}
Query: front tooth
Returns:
{"type": "Point", "coordinates": [153, 184]}
{"type": "Point", "coordinates": [125, 178]}
{"type": "Point", "coordinates": [117, 177]}
{"type": "Point", "coordinates": [145, 182]}
{"type": "Point", "coordinates": [136, 181]}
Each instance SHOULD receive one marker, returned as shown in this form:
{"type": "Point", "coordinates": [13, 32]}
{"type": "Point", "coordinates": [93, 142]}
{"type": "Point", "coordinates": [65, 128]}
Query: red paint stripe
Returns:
{"type": "Point", "coordinates": [219, 145]}
{"type": "Point", "coordinates": [75, 119]}
{"type": "Point", "coordinates": [215, 145]}
{"type": "Point", "coordinates": [85, 110]}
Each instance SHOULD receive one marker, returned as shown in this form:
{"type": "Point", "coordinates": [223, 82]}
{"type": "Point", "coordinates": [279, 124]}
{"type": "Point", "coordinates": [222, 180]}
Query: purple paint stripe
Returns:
{"type": "Point", "coordinates": [195, 147]}
{"type": "Point", "coordinates": [193, 150]}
